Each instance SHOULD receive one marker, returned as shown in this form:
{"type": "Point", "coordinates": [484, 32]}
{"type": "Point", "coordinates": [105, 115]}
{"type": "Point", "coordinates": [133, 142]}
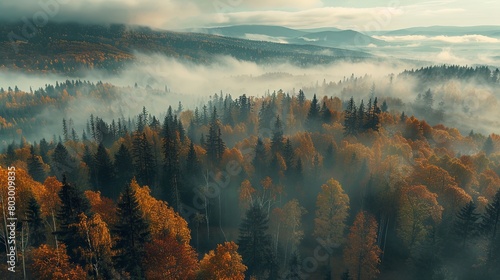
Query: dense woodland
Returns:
{"type": "Point", "coordinates": [274, 187]}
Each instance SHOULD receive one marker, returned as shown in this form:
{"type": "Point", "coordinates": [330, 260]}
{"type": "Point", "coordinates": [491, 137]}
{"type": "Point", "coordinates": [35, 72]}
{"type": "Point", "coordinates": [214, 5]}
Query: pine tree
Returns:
{"type": "Point", "coordinates": [490, 226]}
{"type": "Point", "coordinates": [350, 118]}
{"type": "Point", "coordinates": [301, 98]}
{"type": "Point", "coordinates": [214, 142]}
{"type": "Point", "coordinates": [488, 146]}
{"type": "Point", "coordinates": [132, 233]}
{"type": "Point", "coordinates": [326, 114]}
{"type": "Point", "coordinates": [124, 167]}
{"type": "Point", "coordinates": [466, 226]}
{"type": "Point", "coordinates": [289, 156]}
{"type": "Point", "coordinates": [35, 223]}
{"type": "Point", "coordinates": [105, 173]}
{"type": "Point", "coordinates": [255, 243]}
{"type": "Point", "coordinates": [294, 267]}
{"type": "Point", "coordinates": [35, 166]}
{"type": "Point", "coordinates": [144, 160]}
{"type": "Point", "coordinates": [73, 203]}
{"type": "Point", "coordinates": [277, 137]}
{"type": "Point", "coordinates": [63, 163]}
{"type": "Point", "coordinates": [312, 120]}
{"type": "Point", "coordinates": [171, 167]}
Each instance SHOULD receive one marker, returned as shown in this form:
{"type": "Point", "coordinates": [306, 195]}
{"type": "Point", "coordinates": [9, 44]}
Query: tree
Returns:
{"type": "Point", "coordinates": [277, 137]}
{"type": "Point", "coordinates": [222, 264]}
{"type": "Point", "coordinates": [167, 258]}
{"type": "Point", "coordinates": [362, 254]}
{"type": "Point", "coordinates": [132, 233]}
{"type": "Point", "coordinates": [35, 166]}
{"type": "Point", "coordinates": [97, 247]}
{"type": "Point", "coordinates": [54, 264]}
{"type": "Point", "coordinates": [490, 224]}
{"type": "Point", "coordinates": [260, 161]}
{"type": "Point", "coordinates": [350, 118]}
{"type": "Point", "coordinates": [332, 209]}
{"type": "Point", "coordinates": [105, 173]}
{"type": "Point", "coordinates": [419, 213]}
{"type": "Point", "coordinates": [255, 243]}
{"type": "Point", "coordinates": [488, 146]}
{"type": "Point", "coordinates": [63, 163]}
{"type": "Point", "coordinates": [35, 223]}
{"type": "Point", "coordinates": [124, 168]}
{"type": "Point", "coordinates": [73, 203]}
{"type": "Point", "coordinates": [215, 144]}
{"type": "Point", "coordinates": [312, 120]}
{"type": "Point", "coordinates": [466, 225]}
{"type": "Point", "coordinates": [144, 160]}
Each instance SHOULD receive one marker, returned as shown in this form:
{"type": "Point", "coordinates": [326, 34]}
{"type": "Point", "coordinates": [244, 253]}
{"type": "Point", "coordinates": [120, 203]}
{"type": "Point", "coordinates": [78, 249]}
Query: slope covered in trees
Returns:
{"type": "Point", "coordinates": [263, 187]}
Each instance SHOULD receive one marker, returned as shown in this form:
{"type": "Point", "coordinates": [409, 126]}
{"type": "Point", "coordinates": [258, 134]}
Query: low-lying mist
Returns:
{"type": "Point", "coordinates": [157, 82]}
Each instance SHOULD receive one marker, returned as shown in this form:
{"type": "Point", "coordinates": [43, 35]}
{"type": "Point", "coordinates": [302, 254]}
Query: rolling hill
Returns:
{"type": "Point", "coordinates": [70, 47]}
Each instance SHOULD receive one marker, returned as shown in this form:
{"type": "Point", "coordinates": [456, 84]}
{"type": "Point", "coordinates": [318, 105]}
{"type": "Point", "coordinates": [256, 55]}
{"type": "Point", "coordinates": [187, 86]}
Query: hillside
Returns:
{"type": "Point", "coordinates": [68, 48]}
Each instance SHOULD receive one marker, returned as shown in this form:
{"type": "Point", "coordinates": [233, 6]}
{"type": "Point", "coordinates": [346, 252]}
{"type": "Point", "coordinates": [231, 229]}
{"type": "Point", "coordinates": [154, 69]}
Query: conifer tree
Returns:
{"type": "Point", "coordinates": [105, 173]}
{"type": "Point", "coordinates": [255, 243]}
{"type": "Point", "coordinates": [466, 226]}
{"type": "Point", "coordinates": [144, 161]}
{"type": "Point", "coordinates": [35, 166]}
{"type": "Point", "coordinates": [490, 225]}
{"type": "Point", "coordinates": [277, 137]}
{"type": "Point", "coordinates": [350, 118]}
{"type": "Point", "coordinates": [132, 233]}
{"type": "Point", "coordinates": [73, 203]}
{"type": "Point", "coordinates": [124, 167]}
{"type": "Point", "coordinates": [35, 223]}
{"type": "Point", "coordinates": [312, 120]}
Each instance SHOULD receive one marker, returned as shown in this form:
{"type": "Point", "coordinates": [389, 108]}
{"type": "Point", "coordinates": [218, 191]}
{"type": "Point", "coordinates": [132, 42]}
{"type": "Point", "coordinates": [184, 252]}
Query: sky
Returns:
{"type": "Point", "coordinates": [179, 14]}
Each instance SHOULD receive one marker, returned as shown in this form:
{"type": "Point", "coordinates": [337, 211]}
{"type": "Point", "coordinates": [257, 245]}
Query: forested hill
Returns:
{"type": "Point", "coordinates": [273, 187]}
{"type": "Point", "coordinates": [69, 47]}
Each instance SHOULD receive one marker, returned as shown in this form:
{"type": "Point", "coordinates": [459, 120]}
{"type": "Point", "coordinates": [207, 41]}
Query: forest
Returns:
{"type": "Point", "coordinates": [287, 185]}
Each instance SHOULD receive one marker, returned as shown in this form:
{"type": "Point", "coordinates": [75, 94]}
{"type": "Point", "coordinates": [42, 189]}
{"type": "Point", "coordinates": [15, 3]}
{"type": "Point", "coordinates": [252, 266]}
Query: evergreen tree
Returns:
{"type": "Point", "coordinates": [350, 118]}
{"type": "Point", "coordinates": [124, 167]}
{"type": "Point", "coordinates": [490, 226]}
{"type": "Point", "coordinates": [301, 98]}
{"type": "Point", "coordinates": [62, 162]}
{"type": "Point", "coordinates": [326, 114]}
{"type": "Point", "coordinates": [260, 161]}
{"type": "Point", "coordinates": [466, 226]}
{"type": "Point", "coordinates": [144, 160]}
{"type": "Point", "coordinates": [171, 167]}
{"type": "Point", "coordinates": [255, 243]}
{"type": "Point", "coordinates": [312, 120]}
{"type": "Point", "coordinates": [384, 107]}
{"type": "Point", "coordinates": [132, 233]}
{"type": "Point", "coordinates": [488, 146]}
{"type": "Point", "coordinates": [105, 173]}
{"type": "Point", "coordinates": [73, 203]}
{"type": "Point", "coordinates": [35, 166]}
{"type": "Point", "coordinates": [277, 137]}
{"type": "Point", "coordinates": [294, 267]}
{"type": "Point", "coordinates": [215, 144]}
{"type": "Point", "coordinates": [289, 156]}
{"type": "Point", "coordinates": [35, 223]}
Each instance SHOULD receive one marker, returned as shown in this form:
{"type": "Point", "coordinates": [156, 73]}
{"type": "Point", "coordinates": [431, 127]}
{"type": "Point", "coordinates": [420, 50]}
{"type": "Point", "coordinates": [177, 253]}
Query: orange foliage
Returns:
{"type": "Point", "coordinates": [166, 258]}
{"type": "Point", "coordinates": [103, 206]}
{"type": "Point", "coordinates": [53, 264]}
{"type": "Point", "coordinates": [223, 264]}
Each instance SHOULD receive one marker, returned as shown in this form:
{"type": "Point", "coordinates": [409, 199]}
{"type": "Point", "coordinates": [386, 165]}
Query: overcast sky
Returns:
{"type": "Point", "coordinates": [177, 14]}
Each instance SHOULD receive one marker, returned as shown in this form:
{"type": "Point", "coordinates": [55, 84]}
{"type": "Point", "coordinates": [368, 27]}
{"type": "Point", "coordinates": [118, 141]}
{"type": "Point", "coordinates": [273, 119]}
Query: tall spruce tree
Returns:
{"type": "Point", "coordinates": [35, 223]}
{"type": "Point", "coordinates": [144, 160]}
{"type": "Point", "coordinates": [132, 233]}
{"type": "Point", "coordinates": [350, 118]}
{"type": "Point", "coordinates": [312, 120]}
{"type": "Point", "coordinates": [490, 225]}
{"type": "Point", "coordinates": [255, 243]}
{"type": "Point", "coordinates": [171, 167]}
{"type": "Point", "coordinates": [105, 173]}
{"type": "Point", "coordinates": [73, 203]}
{"type": "Point", "coordinates": [124, 168]}
{"type": "Point", "coordinates": [466, 225]}
{"type": "Point", "coordinates": [35, 166]}
{"type": "Point", "coordinates": [277, 137]}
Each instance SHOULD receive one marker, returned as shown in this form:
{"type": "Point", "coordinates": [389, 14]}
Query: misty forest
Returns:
{"type": "Point", "coordinates": [143, 154]}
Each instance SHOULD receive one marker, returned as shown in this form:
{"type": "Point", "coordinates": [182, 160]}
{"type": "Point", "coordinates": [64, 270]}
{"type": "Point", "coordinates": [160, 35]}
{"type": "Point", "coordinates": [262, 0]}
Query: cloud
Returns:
{"type": "Point", "coordinates": [317, 17]}
{"type": "Point", "coordinates": [261, 37]}
{"type": "Point", "coordinates": [441, 38]}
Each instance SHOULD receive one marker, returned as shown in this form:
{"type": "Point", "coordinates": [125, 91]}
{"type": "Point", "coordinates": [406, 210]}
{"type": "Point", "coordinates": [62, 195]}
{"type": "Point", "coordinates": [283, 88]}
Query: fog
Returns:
{"type": "Point", "coordinates": [163, 82]}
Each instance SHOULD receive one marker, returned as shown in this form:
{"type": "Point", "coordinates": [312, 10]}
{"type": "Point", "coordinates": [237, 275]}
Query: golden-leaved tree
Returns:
{"type": "Point", "coordinates": [223, 264]}
{"type": "Point", "coordinates": [362, 254]}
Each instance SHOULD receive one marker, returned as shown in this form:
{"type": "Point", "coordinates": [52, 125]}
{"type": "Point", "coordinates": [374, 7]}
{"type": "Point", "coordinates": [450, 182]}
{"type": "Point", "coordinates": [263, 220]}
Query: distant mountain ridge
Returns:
{"type": "Point", "coordinates": [69, 47]}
